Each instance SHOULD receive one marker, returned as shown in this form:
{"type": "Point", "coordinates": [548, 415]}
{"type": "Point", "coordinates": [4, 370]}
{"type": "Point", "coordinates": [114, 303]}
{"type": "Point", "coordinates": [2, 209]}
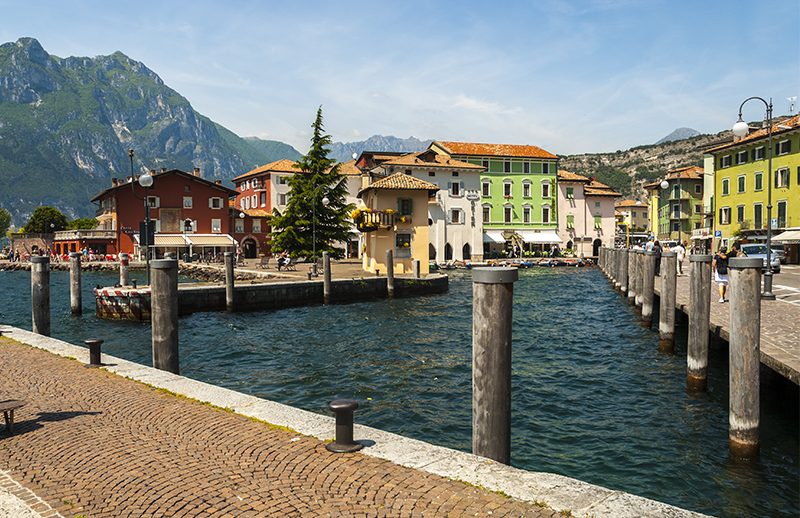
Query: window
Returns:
{"type": "Point", "coordinates": [239, 226]}
{"type": "Point", "coordinates": [263, 199]}
{"type": "Point", "coordinates": [783, 147]}
{"type": "Point", "coordinates": [698, 189]}
{"type": "Point", "coordinates": [215, 203]}
{"type": "Point", "coordinates": [487, 214]}
{"type": "Point", "coordinates": [254, 201]}
{"type": "Point", "coordinates": [486, 164]}
{"type": "Point", "coordinates": [758, 218]}
{"type": "Point", "coordinates": [526, 214]}
{"type": "Point", "coordinates": [187, 188]}
{"type": "Point", "coordinates": [740, 213]}
{"type": "Point", "coordinates": [455, 216]}
{"type": "Point", "coordinates": [741, 157]}
{"type": "Point", "coordinates": [404, 206]}
{"type": "Point", "coordinates": [216, 226]}
{"type": "Point", "coordinates": [725, 186]}
{"type": "Point", "coordinates": [256, 226]}
{"type": "Point", "coordinates": [598, 222]}
{"type": "Point", "coordinates": [633, 214]}
{"type": "Point", "coordinates": [507, 189]}
{"type": "Point", "coordinates": [189, 226]}
{"type": "Point", "coordinates": [740, 184]}
{"type": "Point", "coordinates": [455, 188]}
{"type": "Point", "coordinates": [546, 168]}
{"type": "Point", "coordinates": [431, 173]}
{"type": "Point", "coordinates": [187, 202]}
{"type": "Point", "coordinates": [455, 173]}
{"type": "Point", "coordinates": [597, 205]}
{"type": "Point", "coordinates": [724, 215]}
{"type": "Point", "coordinates": [759, 153]}
{"type": "Point", "coordinates": [570, 222]}
{"type": "Point", "coordinates": [759, 181]}
{"type": "Point", "coordinates": [676, 211]}
{"type": "Point", "coordinates": [526, 168]}
{"type": "Point", "coordinates": [545, 189]}
{"type": "Point", "coordinates": [676, 226]}
{"type": "Point", "coordinates": [725, 161]}
{"type": "Point", "coordinates": [781, 214]}
{"type": "Point", "coordinates": [546, 214]}
{"type": "Point", "coordinates": [153, 201]}
{"type": "Point", "coordinates": [696, 224]}
{"type": "Point", "coordinates": [570, 193]}
{"type": "Point", "coordinates": [782, 177]}
{"type": "Point", "coordinates": [676, 191]}
{"type": "Point", "coordinates": [526, 189]}
{"type": "Point", "coordinates": [698, 209]}
{"type": "Point", "coordinates": [485, 188]}
{"type": "Point", "coordinates": [246, 202]}
{"type": "Point", "coordinates": [507, 214]}
{"type": "Point", "coordinates": [402, 245]}
{"type": "Point", "coordinates": [506, 167]}
{"type": "Point", "coordinates": [283, 180]}
{"type": "Point", "coordinates": [283, 199]}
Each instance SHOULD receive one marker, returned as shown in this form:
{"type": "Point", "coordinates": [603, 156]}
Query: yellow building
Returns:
{"type": "Point", "coordinates": [633, 213]}
{"type": "Point", "coordinates": [394, 216]}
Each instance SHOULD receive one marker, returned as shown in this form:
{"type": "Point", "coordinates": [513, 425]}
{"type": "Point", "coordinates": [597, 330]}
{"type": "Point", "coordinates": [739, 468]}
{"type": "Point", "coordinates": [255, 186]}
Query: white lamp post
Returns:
{"type": "Point", "coordinates": [740, 129]}
{"type": "Point", "coordinates": [145, 181]}
{"type": "Point", "coordinates": [664, 186]}
{"type": "Point", "coordinates": [325, 201]}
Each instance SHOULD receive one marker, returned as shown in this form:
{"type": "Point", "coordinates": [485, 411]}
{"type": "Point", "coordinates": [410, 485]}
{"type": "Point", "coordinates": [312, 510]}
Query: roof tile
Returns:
{"type": "Point", "coordinates": [502, 150]}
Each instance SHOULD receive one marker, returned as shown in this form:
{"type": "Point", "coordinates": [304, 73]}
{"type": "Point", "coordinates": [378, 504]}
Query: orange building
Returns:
{"type": "Point", "coordinates": [190, 214]}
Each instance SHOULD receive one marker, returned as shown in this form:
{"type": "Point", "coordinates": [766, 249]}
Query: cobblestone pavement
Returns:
{"type": "Point", "coordinates": [90, 443]}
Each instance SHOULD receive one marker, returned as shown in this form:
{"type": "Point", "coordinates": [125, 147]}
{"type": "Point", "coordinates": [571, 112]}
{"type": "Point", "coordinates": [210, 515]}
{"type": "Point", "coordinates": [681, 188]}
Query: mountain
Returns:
{"type": "Point", "coordinates": [66, 125]}
{"type": "Point", "coordinates": [679, 134]}
{"type": "Point", "coordinates": [344, 151]}
{"type": "Point", "coordinates": [273, 149]}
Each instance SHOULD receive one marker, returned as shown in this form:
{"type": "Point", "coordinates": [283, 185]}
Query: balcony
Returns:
{"type": "Point", "coordinates": [72, 235]}
{"type": "Point", "coordinates": [367, 220]}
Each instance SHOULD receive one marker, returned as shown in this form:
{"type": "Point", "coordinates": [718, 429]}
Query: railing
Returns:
{"type": "Point", "coordinates": [369, 221]}
{"type": "Point", "coordinates": [69, 235]}
{"type": "Point", "coordinates": [99, 212]}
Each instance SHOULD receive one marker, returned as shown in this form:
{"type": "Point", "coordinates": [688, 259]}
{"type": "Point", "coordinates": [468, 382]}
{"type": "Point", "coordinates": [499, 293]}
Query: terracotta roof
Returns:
{"type": "Point", "coordinates": [630, 203]}
{"type": "Point", "coordinates": [280, 166]}
{"type": "Point", "coordinates": [256, 213]}
{"type": "Point", "coordinates": [691, 172]}
{"type": "Point", "coordinates": [509, 150]}
{"type": "Point", "coordinates": [349, 168]}
{"type": "Point", "coordinates": [189, 176]}
{"type": "Point", "coordinates": [596, 188]}
{"type": "Point", "coordinates": [566, 176]}
{"type": "Point", "coordinates": [400, 181]}
{"type": "Point", "coordinates": [777, 127]}
{"type": "Point", "coordinates": [413, 159]}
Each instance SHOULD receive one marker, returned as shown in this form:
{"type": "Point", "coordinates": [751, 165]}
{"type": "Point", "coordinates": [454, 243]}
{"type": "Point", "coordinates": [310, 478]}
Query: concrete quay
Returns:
{"type": "Point", "coordinates": [780, 327]}
{"type": "Point", "coordinates": [129, 440]}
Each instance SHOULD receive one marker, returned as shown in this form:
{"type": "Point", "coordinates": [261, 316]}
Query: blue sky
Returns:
{"type": "Point", "coordinates": [568, 76]}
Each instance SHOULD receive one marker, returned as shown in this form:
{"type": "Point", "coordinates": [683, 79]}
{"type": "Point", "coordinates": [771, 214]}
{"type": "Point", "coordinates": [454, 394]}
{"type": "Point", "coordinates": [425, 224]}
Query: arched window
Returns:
{"type": "Point", "coordinates": [466, 252]}
{"type": "Point", "coordinates": [448, 252]}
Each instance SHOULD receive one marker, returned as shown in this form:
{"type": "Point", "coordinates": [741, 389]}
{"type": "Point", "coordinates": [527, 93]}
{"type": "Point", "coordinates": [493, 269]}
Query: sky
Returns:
{"type": "Point", "coordinates": [571, 77]}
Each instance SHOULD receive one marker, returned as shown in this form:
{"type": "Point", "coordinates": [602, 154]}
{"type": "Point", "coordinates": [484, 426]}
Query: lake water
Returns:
{"type": "Point", "coordinates": [593, 399]}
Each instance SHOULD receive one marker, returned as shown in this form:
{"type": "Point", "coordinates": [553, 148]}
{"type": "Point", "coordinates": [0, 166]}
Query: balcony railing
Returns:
{"type": "Point", "coordinates": [69, 235]}
{"type": "Point", "coordinates": [367, 220]}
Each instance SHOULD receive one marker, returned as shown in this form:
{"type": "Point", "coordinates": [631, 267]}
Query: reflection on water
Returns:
{"type": "Point", "coordinates": [593, 398]}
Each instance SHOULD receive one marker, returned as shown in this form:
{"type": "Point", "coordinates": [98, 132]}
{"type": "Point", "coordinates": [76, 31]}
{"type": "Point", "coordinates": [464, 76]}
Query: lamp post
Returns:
{"type": "Point", "coordinates": [740, 129]}
{"type": "Point", "coordinates": [665, 185]}
{"type": "Point", "coordinates": [314, 226]}
{"type": "Point", "coordinates": [145, 181]}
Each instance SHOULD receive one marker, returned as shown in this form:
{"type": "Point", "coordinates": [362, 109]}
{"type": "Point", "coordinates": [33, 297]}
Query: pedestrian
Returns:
{"type": "Point", "coordinates": [657, 249]}
{"type": "Point", "coordinates": [681, 251]}
{"type": "Point", "coordinates": [720, 266]}
{"type": "Point", "coordinates": [650, 244]}
{"type": "Point", "coordinates": [736, 250]}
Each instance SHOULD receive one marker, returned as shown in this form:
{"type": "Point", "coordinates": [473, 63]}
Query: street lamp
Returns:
{"type": "Point", "coordinates": [740, 129]}
{"type": "Point", "coordinates": [665, 185]}
{"type": "Point", "coordinates": [325, 201]}
{"type": "Point", "coordinates": [145, 181]}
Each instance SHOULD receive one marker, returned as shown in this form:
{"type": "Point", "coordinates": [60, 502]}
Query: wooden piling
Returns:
{"type": "Point", "coordinates": [699, 314]}
{"type": "Point", "coordinates": [669, 285]}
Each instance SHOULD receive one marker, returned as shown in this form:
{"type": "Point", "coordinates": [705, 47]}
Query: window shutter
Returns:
{"type": "Point", "coordinates": [777, 149]}
{"type": "Point", "coordinates": [720, 216]}
{"type": "Point", "coordinates": [410, 207]}
{"type": "Point", "coordinates": [776, 178]}
{"type": "Point", "coordinates": [194, 225]}
{"type": "Point", "coordinates": [789, 146]}
{"type": "Point", "coordinates": [798, 175]}
{"type": "Point", "coordinates": [460, 187]}
{"type": "Point", "coordinates": [449, 186]}
{"type": "Point", "coordinates": [211, 203]}
{"type": "Point", "coordinates": [400, 206]}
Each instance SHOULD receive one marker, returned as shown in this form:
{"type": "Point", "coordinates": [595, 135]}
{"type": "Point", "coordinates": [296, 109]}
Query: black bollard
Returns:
{"type": "Point", "coordinates": [94, 351]}
{"type": "Point", "coordinates": [344, 443]}
{"type": "Point", "coordinates": [164, 314]}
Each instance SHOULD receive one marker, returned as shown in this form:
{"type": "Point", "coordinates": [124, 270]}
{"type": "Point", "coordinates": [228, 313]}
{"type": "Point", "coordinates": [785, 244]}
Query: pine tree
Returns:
{"type": "Point", "coordinates": [318, 177]}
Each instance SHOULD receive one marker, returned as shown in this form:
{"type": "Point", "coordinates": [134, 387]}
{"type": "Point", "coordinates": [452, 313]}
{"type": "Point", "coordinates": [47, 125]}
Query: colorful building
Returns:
{"type": "Point", "coordinates": [742, 185]}
{"type": "Point", "coordinates": [634, 213]}
{"type": "Point", "coordinates": [393, 215]}
{"type": "Point", "coordinates": [517, 194]}
{"type": "Point", "coordinates": [677, 210]}
{"type": "Point", "coordinates": [585, 213]}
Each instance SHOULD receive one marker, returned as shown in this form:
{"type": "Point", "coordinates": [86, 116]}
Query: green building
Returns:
{"type": "Point", "coordinates": [677, 209]}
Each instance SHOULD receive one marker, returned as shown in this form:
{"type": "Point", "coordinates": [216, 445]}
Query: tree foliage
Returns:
{"type": "Point", "coordinates": [5, 221]}
{"type": "Point", "coordinates": [82, 224]}
{"type": "Point", "coordinates": [43, 218]}
{"type": "Point", "coordinates": [318, 177]}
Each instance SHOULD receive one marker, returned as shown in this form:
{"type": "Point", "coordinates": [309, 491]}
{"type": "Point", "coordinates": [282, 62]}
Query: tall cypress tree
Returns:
{"type": "Point", "coordinates": [318, 177]}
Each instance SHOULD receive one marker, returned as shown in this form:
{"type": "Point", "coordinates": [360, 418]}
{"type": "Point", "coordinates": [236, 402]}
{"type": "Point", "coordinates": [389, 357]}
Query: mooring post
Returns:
{"type": "Point", "coordinates": [326, 277]}
{"type": "Point", "coordinates": [612, 267]}
{"type": "Point", "coordinates": [648, 287]}
{"type": "Point", "coordinates": [631, 277]}
{"type": "Point", "coordinates": [344, 443]}
{"type": "Point", "coordinates": [622, 262]}
{"type": "Point", "coordinates": [639, 279]}
{"type": "Point", "coordinates": [94, 345]}
{"type": "Point", "coordinates": [124, 274]}
{"type": "Point", "coordinates": [669, 285]}
{"type": "Point", "coordinates": [744, 361]}
{"type": "Point", "coordinates": [416, 268]}
{"type": "Point", "coordinates": [75, 302]}
{"type": "Point", "coordinates": [164, 314]}
{"type": "Point", "coordinates": [699, 313]}
{"type": "Point", "coordinates": [390, 273]}
{"type": "Point", "coordinates": [492, 319]}
{"type": "Point", "coordinates": [40, 294]}
{"type": "Point", "coordinates": [229, 292]}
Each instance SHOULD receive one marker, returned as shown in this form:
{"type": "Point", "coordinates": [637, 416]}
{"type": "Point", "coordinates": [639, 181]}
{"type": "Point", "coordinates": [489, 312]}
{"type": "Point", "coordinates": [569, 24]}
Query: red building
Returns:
{"type": "Point", "coordinates": [190, 214]}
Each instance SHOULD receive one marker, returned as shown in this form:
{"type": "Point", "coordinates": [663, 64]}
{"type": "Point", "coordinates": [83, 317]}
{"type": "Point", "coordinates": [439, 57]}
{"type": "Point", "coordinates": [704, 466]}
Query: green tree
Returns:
{"type": "Point", "coordinates": [5, 221]}
{"type": "Point", "coordinates": [82, 224]}
{"type": "Point", "coordinates": [318, 177]}
{"type": "Point", "coordinates": [43, 218]}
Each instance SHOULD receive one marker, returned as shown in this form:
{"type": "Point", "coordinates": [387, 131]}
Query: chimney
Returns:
{"type": "Point", "coordinates": [130, 179]}
{"type": "Point", "coordinates": [197, 171]}
{"type": "Point", "coordinates": [114, 182]}
{"type": "Point", "coordinates": [163, 169]}
{"type": "Point", "coordinates": [218, 182]}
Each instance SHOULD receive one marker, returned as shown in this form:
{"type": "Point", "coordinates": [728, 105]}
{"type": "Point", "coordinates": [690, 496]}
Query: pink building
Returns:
{"type": "Point", "coordinates": [585, 213]}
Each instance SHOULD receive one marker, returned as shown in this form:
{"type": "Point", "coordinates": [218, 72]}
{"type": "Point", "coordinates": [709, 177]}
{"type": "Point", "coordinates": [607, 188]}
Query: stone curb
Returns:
{"type": "Point", "coordinates": [558, 492]}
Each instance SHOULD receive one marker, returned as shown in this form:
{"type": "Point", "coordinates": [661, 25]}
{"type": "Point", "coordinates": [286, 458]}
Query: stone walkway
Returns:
{"type": "Point", "coordinates": [91, 443]}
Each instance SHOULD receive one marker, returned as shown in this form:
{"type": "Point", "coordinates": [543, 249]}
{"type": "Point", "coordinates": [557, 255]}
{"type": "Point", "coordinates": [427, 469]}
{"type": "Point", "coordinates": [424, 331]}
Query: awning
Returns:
{"type": "Point", "coordinates": [166, 240]}
{"type": "Point", "coordinates": [210, 240]}
{"type": "Point", "coordinates": [544, 238]}
{"type": "Point", "coordinates": [789, 237]}
{"type": "Point", "coordinates": [493, 237]}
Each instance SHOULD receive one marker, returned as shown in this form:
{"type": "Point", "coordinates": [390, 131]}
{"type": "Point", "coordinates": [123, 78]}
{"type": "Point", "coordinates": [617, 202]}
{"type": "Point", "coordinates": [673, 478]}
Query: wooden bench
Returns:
{"type": "Point", "coordinates": [7, 407]}
{"type": "Point", "coordinates": [264, 264]}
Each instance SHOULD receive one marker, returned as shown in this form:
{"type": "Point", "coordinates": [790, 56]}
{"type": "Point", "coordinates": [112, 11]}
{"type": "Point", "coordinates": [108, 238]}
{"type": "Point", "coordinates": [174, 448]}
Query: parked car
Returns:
{"type": "Point", "coordinates": [781, 252]}
{"type": "Point", "coordinates": [761, 251]}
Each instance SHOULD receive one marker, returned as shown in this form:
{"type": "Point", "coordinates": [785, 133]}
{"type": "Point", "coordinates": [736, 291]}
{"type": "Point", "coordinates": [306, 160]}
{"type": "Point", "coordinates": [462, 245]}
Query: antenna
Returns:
{"type": "Point", "coordinates": [791, 103]}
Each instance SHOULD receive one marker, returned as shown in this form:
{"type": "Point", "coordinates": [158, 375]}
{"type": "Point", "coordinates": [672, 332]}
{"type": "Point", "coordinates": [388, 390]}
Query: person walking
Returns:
{"type": "Point", "coordinates": [658, 249]}
{"type": "Point", "coordinates": [720, 267]}
{"type": "Point", "coordinates": [681, 251]}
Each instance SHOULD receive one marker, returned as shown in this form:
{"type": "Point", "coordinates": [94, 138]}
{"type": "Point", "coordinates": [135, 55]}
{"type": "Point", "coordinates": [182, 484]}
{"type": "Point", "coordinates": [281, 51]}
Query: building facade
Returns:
{"type": "Point", "coordinates": [585, 213]}
{"type": "Point", "coordinates": [518, 200]}
{"type": "Point", "coordinates": [634, 213]}
{"type": "Point", "coordinates": [679, 209]}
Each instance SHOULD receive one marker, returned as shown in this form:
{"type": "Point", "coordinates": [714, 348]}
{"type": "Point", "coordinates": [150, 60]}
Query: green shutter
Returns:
{"type": "Point", "coordinates": [410, 206]}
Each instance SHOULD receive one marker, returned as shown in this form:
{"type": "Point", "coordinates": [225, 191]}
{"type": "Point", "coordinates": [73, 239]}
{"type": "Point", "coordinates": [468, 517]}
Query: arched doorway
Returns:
{"type": "Point", "coordinates": [431, 252]}
{"type": "Point", "coordinates": [448, 252]}
{"type": "Point", "coordinates": [596, 247]}
{"type": "Point", "coordinates": [466, 252]}
{"type": "Point", "coordinates": [249, 248]}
